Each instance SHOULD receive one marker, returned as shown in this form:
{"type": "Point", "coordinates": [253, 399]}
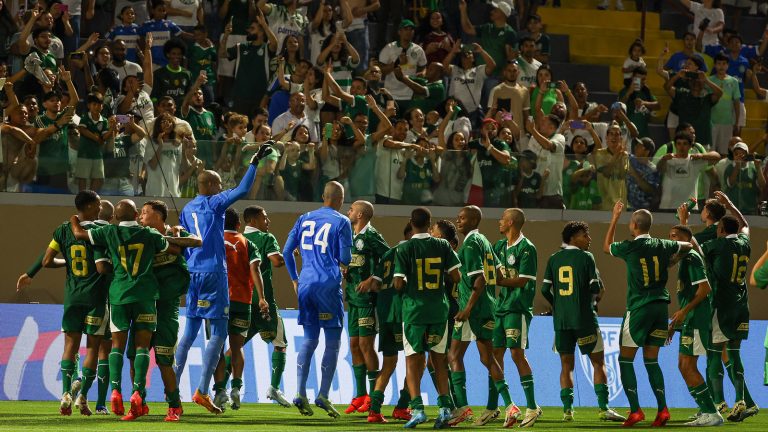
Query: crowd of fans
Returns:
{"type": "Point", "coordinates": [454, 110]}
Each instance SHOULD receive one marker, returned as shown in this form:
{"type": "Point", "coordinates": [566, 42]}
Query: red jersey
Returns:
{"type": "Point", "coordinates": [241, 252]}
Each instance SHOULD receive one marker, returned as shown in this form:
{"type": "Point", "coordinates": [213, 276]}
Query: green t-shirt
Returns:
{"type": "Point", "coordinates": [203, 59]}
{"type": "Point", "coordinates": [89, 149]}
{"type": "Point", "coordinates": [492, 172]}
{"type": "Point", "coordinates": [358, 106]}
{"type": "Point", "coordinates": [529, 188]}
{"type": "Point", "coordinates": [267, 245]}
{"type": "Point", "coordinates": [517, 260]}
{"type": "Point", "coordinates": [417, 184]}
{"type": "Point", "coordinates": [761, 276]}
{"type": "Point", "coordinates": [173, 83]}
{"type": "Point", "coordinates": [745, 191]}
{"type": "Point", "coordinates": [291, 175]}
{"type": "Point", "coordinates": [548, 99]}
{"type": "Point", "coordinates": [203, 126]}
{"type": "Point", "coordinates": [53, 157]}
{"type": "Point", "coordinates": [171, 273]}
{"type": "Point", "coordinates": [48, 58]}
{"type": "Point", "coordinates": [722, 113]}
{"type": "Point", "coordinates": [252, 65]}
{"type": "Point", "coordinates": [570, 283]}
{"type": "Point", "coordinates": [695, 110]}
{"type": "Point", "coordinates": [494, 41]}
{"type": "Point", "coordinates": [639, 118]}
{"type": "Point", "coordinates": [428, 102]}
{"type": "Point", "coordinates": [368, 246]}
{"type": "Point", "coordinates": [362, 183]}
{"type": "Point", "coordinates": [477, 257]}
{"type": "Point", "coordinates": [424, 261]}
{"type": "Point", "coordinates": [690, 273]}
{"type": "Point", "coordinates": [132, 249]}
{"type": "Point", "coordinates": [239, 13]}
{"type": "Point", "coordinates": [647, 261]}
{"type": "Point", "coordinates": [84, 285]}
{"type": "Point", "coordinates": [707, 234]}
{"type": "Point", "coordinates": [117, 163]}
{"type": "Point", "coordinates": [389, 304]}
{"type": "Point", "coordinates": [727, 260]}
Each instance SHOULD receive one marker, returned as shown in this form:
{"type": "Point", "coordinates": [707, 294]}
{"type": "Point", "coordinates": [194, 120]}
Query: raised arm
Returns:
{"type": "Point", "coordinates": [609, 236]}
{"type": "Point", "coordinates": [725, 201]}
{"type": "Point", "coordinates": [250, 175]}
{"type": "Point", "coordinates": [466, 24]}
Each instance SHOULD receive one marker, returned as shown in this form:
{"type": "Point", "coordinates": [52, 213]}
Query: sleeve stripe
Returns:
{"type": "Point", "coordinates": [699, 281]}
{"type": "Point", "coordinates": [167, 245]}
{"type": "Point", "coordinates": [254, 260]}
{"type": "Point", "coordinates": [454, 267]}
{"type": "Point", "coordinates": [527, 276]}
{"type": "Point", "coordinates": [474, 272]}
{"type": "Point", "coordinates": [400, 275]}
{"type": "Point", "coordinates": [274, 253]}
{"type": "Point", "coordinates": [546, 281]}
{"type": "Point", "coordinates": [90, 237]}
{"type": "Point", "coordinates": [103, 260]}
{"type": "Point", "coordinates": [376, 278]}
{"type": "Point", "coordinates": [594, 280]}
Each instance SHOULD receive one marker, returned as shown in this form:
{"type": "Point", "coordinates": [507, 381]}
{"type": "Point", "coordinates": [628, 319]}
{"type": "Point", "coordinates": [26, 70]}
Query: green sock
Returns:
{"type": "Point", "coordinates": [404, 399]}
{"type": "Point", "coordinates": [173, 398]}
{"type": "Point", "coordinates": [236, 383]}
{"type": "Point", "coordinates": [444, 401]}
{"type": "Point", "coordinates": [715, 376]}
{"type": "Point", "coordinates": [372, 375]}
{"type": "Point", "coordinates": [67, 372]}
{"type": "Point", "coordinates": [601, 390]}
{"type": "Point", "coordinates": [227, 369]}
{"type": "Point", "coordinates": [459, 380]}
{"type": "Point", "coordinates": [141, 364]}
{"type": "Point", "coordinates": [493, 395]}
{"type": "Point", "coordinates": [89, 375]}
{"type": "Point", "coordinates": [703, 398]}
{"type": "Point", "coordinates": [432, 376]}
{"type": "Point", "coordinates": [629, 382]}
{"type": "Point", "coordinates": [76, 374]}
{"type": "Point", "coordinates": [359, 371]}
{"type": "Point", "coordinates": [102, 374]}
{"type": "Point", "coordinates": [656, 378]}
{"type": "Point", "coordinates": [377, 400]}
{"type": "Point", "coordinates": [765, 367]}
{"type": "Point", "coordinates": [502, 389]}
{"type": "Point", "coordinates": [527, 382]}
{"type": "Point", "coordinates": [116, 369]}
{"type": "Point", "coordinates": [451, 390]}
{"type": "Point", "coordinates": [417, 403]}
{"type": "Point", "coordinates": [737, 372]}
{"type": "Point", "coordinates": [566, 395]}
{"type": "Point", "coordinates": [278, 366]}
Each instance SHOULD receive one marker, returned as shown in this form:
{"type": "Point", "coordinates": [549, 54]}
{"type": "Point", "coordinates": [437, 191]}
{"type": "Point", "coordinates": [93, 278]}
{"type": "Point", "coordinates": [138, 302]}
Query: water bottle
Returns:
{"type": "Point", "coordinates": [690, 204]}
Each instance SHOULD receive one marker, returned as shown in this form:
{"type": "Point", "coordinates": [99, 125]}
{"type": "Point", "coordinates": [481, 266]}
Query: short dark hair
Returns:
{"type": "Point", "coordinates": [572, 228]}
{"type": "Point", "coordinates": [448, 231]}
{"type": "Point", "coordinates": [526, 39]}
{"type": "Point", "coordinates": [720, 57]}
{"type": "Point", "coordinates": [94, 97]}
{"type": "Point", "coordinates": [158, 206]}
{"type": "Point", "coordinates": [172, 44]}
{"type": "Point", "coordinates": [420, 218]}
{"type": "Point", "coordinates": [647, 143]}
{"type": "Point", "coordinates": [684, 136]}
{"type": "Point", "coordinates": [682, 126]}
{"type": "Point", "coordinates": [50, 95]}
{"type": "Point", "coordinates": [259, 111]}
{"type": "Point", "coordinates": [231, 219]}
{"type": "Point", "coordinates": [157, 3]}
{"type": "Point", "coordinates": [86, 197]}
{"type": "Point", "coordinates": [637, 43]}
{"type": "Point", "coordinates": [555, 120]}
{"type": "Point", "coordinates": [407, 230]}
{"type": "Point", "coordinates": [686, 34]}
{"type": "Point", "coordinates": [40, 30]}
{"type": "Point", "coordinates": [252, 212]}
{"type": "Point", "coordinates": [730, 224]}
{"type": "Point", "coordinates": [685, 229]}
{"type": "Point", "coordinates": [715, 209]}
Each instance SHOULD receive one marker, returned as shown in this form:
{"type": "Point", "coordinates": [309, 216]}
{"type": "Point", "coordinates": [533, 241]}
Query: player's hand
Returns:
{"type": "Point", "coordinates": [618, 208]}
{"type": "Point", "coordinates": [264, 151]}
{"type": "Point", "coordinates": [296, 287]}
{"type": "Point", "coordinates": [724, 200]}
{"type": "Point", "coordinates": [24, 281]}
{"type": "Point", "coordinates": [462, 315]}
{"type": "Point", "coordinates": [264, 308]}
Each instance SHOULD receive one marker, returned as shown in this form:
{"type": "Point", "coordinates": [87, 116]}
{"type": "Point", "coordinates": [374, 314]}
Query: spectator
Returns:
{"type": "Point", "coordinates": [744, 180]}
{"type": "Point", "coordinates": [285, 19]}
{"type": "Point", "coordinates": [533, 30]}
{"type": "Point", "coordinates": [162, 31]}
{"type": "Point", "coordinates": [187, 14]}
{"type": "Point", "coordinates": [357, 29]}
{"type": "Point", "coordinates": [191, 167]}
{"type": "Point", "coordinates": [62, 26]}
{"type": "Point", "coordinates": [694, 105]}
{"type": "Point", "coordinates": [529, 189]}
{"type": "Point", "coordinates": [323, 25]}
{"type": "Point", "coordinates": [287, 121]}
{"type": "Point", "coordinates": [42, 41]}
{"type": "Point", "coordinates": [545, 94]}
{"type": "Point", "coordinates": [163, 158]}
{"type": "Point", "coordinates": [680, 171]}
{"type": "Point", "coordinates": [237, 16]}
{"type": "Point", "coordinates": [419, 173]}
{"type": "Point", "coordinates": [389, 156]}
{"type": "Point", "coordinates": [725, 113]}
{"type": "Point", "coordinates": [579, 184]}
{"type": "Point", "coordinates": [611, 168]}
{"type": "Point", "coordinates": [749, 52]}
{"type": "Point", "coordinates": [677, 60]}
{"type": "Point", "coordinates": [128, 32]}
{"type": "Point", "coordinates": [417, 125]}
{"type": "Point", "coordinates": [633, 60]}
{"type": "Point", "coordinates": [529, 66]}
{"type": "Point", "coordinates": [118, 172]}
{"type": "Point", "coordinates": [120, 62]}
{"type": "Point", "coordinates": [580, 107]}
{"type": "Point", "coordinates": [428, 91]}
{"type": "Point", "coordinates": [362, 184]}
{"type": "Point", "coordinates": [94, 131]}
{"type": "Point", "coordinates": [351, 104]}
{"type": "Point", "coordinates": [342, 57]}
{"type": "Point", "coordinates": [202, 122]}
{"type": "Point", "coordinates": [549, 147]}
{"type": "Point", "coordinates": [639, 100]}
{"type": "Point", "coordinates": [492, 155]}
{"type": "Point", "coordinates": [202, 58]}
{"type": "Point", "coordinates": [19, 150]}
{"type": "Point", "coordinates": [139, 7]}
{"type": "Point", "coordinates": [433, 37]}
{"type": "Point", "coordinates": [456, 165]}
{"type": "Point", "coordinates": [708, 19]}
{"type": "Point", "coordinates": [510, 97]}
{"type": "Point", "coordinates": [292, 165]}
{"type": "Point", "coordinates": [643, 179]}
{"type": "Point", "coordinates": [8, 28]}
{"type": "Point", "coordinates": [466, 78]}
{"type": "Point", "coordinates": [290, 53]}
{"type": "Point", "coordinates": [172, 80]}
{"type": "Point", "coordinates": [284, 85]}
{"type": "Point", "coordinates": [693, 64]}
{"type": "Point", "coordinates": [737, 68]}
{"type": "Point", "coordinates": [135, 95]}
{"type": "Point", "coordinates": [406, 55]}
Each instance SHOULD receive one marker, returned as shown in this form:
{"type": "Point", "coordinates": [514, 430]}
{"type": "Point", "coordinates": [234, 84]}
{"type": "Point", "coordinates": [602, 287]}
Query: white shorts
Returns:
{"type": "Point", "coordinates": [742, 115]}
{"type": "Point", "coordinates": [89, 168]}
{"type": "Point", "coordinates": [227, 67]}
{"type": "Point", "coordinates": [672, 120]}
{"type": "Point", "coordinates": [721, 136]}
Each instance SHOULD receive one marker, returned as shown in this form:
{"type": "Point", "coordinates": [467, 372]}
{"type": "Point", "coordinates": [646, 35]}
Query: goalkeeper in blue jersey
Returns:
{"type": "Point", "coordinates": [208, 296]}
{"type": "Point", "coordinates": [324, 239]}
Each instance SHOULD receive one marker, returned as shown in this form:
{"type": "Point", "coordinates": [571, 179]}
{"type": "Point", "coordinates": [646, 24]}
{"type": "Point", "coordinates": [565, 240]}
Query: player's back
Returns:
{"type": "Point", "coordinates": [267, 245]}
{"type": "Point", "coordinates": [727, 259]}
{"type": "Point", "coordinates": [476, 255]}
{"type": "Point", "coordinates": [647, 261]}
{"type": "Point", "coordinates": [324, 236]}
{"type": "Point", "coordinates": [238, 267]}
{"type": "Point", "coordinates": [204, 218]}
{"type": "Point", "coordinates": [573, 276]}
{"type": "Point", "coordinates": [84, 284]}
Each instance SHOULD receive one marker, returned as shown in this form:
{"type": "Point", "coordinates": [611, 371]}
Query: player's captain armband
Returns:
{"type": "Point", "coordinates": [54, 245]}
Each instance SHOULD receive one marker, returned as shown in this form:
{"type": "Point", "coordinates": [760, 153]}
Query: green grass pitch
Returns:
{"type": "Point", "coordinates": [34, 416]}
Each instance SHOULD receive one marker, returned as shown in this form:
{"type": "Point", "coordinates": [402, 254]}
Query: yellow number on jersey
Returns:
{"type": "Point", "coordinates": [77, 256]}
{"type": "Point", "coordinates": [646, 277]}
{"type": "Point", "coordinates": [425, 267]}
{"type": "Point", "coordinates": [139, 248]}
{"type": "Point", "coordinates": [489, 269]}
{"type": "Point", "coordinates": [387, 271]}
{"type": "Point", "coordinates": [565, 275]}
{"type": "Point", "coordinates": [737, 276]}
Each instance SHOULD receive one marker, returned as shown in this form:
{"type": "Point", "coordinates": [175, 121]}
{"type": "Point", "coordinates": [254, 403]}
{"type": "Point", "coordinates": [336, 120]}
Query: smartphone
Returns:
{"type": "Point", "coordinates": [692, 75]}
{"type": "Point", "coordinates": [76, 55]}
{"type": "Point", "coordinates": [506, 116]}
{"type": "Point", "coordinates": [552, 85]}
{"type": "Point", "coordinates": [328, 131]}
{"type": "Point", "coordinates": [122, 118]}
{"type": "Point", "coordinates": [577, 124]}
{"type": "Point", "coordinates": [704, 24]}
{"type": "Point", "coordinates": [63, 8]}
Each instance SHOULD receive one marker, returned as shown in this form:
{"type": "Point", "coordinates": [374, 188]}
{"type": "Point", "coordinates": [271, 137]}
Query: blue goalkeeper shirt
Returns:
{"type": "Point", "coordinates": [162, 31]}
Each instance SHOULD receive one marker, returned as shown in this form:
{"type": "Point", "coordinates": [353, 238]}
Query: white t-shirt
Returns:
{"type": "Point", "coordinates": [388, 162]}
{"type": "Point", "coordinates": [715, 16]}
{"type": "Point", "coordinates": [188, 6]}
{"type": "Point", "coordinates": [679, 181]}
{"type": "Point", "coordinates": [143, 105]}
{"type": "Point", "coordinates": [527, 76]}
{"type": "Point", "coordinates": [283, 24]}
{"type": "Point", "coordinates": [631, 64]}
{"type": "Point", "coordinates": [467, 85]}
{"type": "Point", "coordinates": [416, 60]}
{"type": "Point", "coordinates": [552, 161]}
{"type": "Point", "coordinates": [56, 48]}
{"type": "Point", "coordinates": [75, 6]}
{"type": "Point", "coordinates": [281, 123]}
{"type": "Point", "coordinates": [129, 68]}
{"type": "Point", "coordinates": [163, 182]}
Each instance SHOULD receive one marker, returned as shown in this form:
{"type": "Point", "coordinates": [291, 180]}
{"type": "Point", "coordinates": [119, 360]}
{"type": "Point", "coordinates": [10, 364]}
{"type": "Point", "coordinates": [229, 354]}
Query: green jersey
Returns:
{"type": "Point", "coordinates": [707, 234]}
{"type": "Point", "coordinates": [477, 257]}
{"type": "Point", "coordinates": [529, 189]}
{"type": "Point", "coordinates": [746, 190]}
{"type": "Point", "coordinates": [417, 184]}
{"type": "Point", "coordinates": [690, 273]}
{"type": "Point", "coordinates": [389, 306]}
{"type": "Point", "coordinates": [727, 259]}
{"type": "Point", "coordinates": [423, 262]}
{"type": "Point", "coordinates": [495, 41]}
{"type": "Point", "coordinates": [132, 249]}
{"type": "Point", "coordinates": [173, 83]}
{"type": "Point", "coordinates": [570, 283]}
{"type": "Point", "coordinates": [491, 170]}
{"type": "Point", "coordinates": [53, 157]}
{"type": "Point", "coordinates": [84, 285]}
{"type": "Point", "coordinates": [517, 260]}
{"type": "Point", "coordinates": [434, 96]}
{"type": "Point", "coordinates": [173, 268]}
{"type": "Point", "coordinates": [761, 276]}
{"type": "Point", "coordinates": [267, 245]}
{"type": "Point", "coordinates": [647, 261]}
{"type": "Point", "coordinates": [203, 59]}
{"type": "Point", "coordinates": [203, 126]}
{"type": "Point", "coordinates": [252, 70]}
{"type": "Point", "coordinates": [368, 246]}
{"type": "Point", "coordinates": [88, 148]}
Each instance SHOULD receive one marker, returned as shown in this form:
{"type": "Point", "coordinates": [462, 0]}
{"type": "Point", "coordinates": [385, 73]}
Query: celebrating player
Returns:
{"type": "Point", "coordinates": [421, 265]}
{"type": "Point", "coordinates": [645, 321]}
{"type": "Point", "coordinates": [572, 286]}
{"type": "Point", "coordinates": [324, 239]}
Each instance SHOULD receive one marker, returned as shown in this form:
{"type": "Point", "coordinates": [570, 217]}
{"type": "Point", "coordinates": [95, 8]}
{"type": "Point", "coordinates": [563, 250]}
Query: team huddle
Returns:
{"type": "Point", "coordinates": [428, 294]}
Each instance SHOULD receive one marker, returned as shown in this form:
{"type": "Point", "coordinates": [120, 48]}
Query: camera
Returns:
{"type": "Point", "coordinates": [704, 24]}
{"type": "Point", "coordinates": [762, 208]}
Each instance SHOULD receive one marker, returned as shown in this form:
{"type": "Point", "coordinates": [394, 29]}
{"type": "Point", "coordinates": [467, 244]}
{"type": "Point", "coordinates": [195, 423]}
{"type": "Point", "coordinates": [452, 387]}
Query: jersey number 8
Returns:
{"type": "Point", "coordinates": [78, 260]}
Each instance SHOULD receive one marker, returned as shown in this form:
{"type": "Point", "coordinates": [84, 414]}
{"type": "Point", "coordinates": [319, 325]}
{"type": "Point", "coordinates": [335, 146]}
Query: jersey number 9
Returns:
{"type": "Point", "coordinates": [565, 276]}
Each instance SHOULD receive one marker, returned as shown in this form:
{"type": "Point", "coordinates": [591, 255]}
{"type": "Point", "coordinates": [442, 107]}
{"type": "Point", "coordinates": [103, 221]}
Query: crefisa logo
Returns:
{"type": "Point", "coordinates": [610, 333]}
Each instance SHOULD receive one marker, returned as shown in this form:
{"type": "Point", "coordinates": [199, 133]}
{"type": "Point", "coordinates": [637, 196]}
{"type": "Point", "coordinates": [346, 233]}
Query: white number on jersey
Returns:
{"type": "Point", "coordinates": [320, 239]}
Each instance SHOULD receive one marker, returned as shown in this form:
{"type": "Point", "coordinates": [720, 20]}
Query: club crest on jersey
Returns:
{"type": "Point", "coordinates": [511, 260]}
{"type": "Point", "coordinates": [359, 244]}
{"type": "Point", "coordinates": [610, 333]}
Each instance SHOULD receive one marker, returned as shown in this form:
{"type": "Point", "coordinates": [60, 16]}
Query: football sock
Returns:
{"type": "Point", "coordinates": [278, 366]}
{"type": "Point", "coordinates": [715, 376]}
{"type": "Point", "coordinates": [493, 395]}
{"type": "Point", "coordinates": [444, 401]}
{"type": "Point", "coordinates": [372, 375]}
{"type": "Point", "coordinates": [212, 353]}
{"type": "Point", "coordinates": [227, 370]}
{"type": "Point", "coordinates": [67, 371]}
{"type": "Point", "coordinates": [359, 372]}
{"type": "Point", "coordinates": [502, 389]}
{"type": "Point", "coordinates": [527, 383]}
{"type": "Point", "coordinates": [102, 374]}
{"type": "Point", "coordinates": [173, 398]}
{"type": "Point", "coordinates": [629, 382]}
{"type": "Point", "coordinates": [566, 395]}
{"type": "Point", "coordinates": [89, 375]}
{"type": "Point", "coordinates": [116, 369]}
{"type": "Point", "coordinates": [703, 398]}
{"type": "Point", "coordinates": [237, 383]}
{"type": "Point", "coordinates": [432, 375]}
{"type": "Point", "coordinates": [459, 382]}
{"type": "Point", "coordinates": [377, 400]}
{"type": "Point", "coordinates": [330, 359]}
{"type": "Point", "coordinates": [191, 329]}
{"type": "Point", "coordinates": [304, 359]}
{"type": "Point", "coordinates": [765, 368]}
{"type": "Point", "coordinates": [141, 365]}
{"type": "Point", "coordinates": [737, 371]}
{"type": "Point", "coordinates": [656, 378]}
{"type": "Point", "coordinates": [405, 397]}
{"type": "Point", "coordinates": [601, 391]}
{"type": "Point", "coordinates": [417, 403]}
{"type": "Point", "coordinates": [451, 389]}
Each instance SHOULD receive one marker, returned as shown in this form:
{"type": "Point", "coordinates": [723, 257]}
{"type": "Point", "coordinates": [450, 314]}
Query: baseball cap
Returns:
{"type": "Point", "coordinates": [503, 6]}
{"type": "Point", "coordinates": [407, 23]}
{"type": "Point", "coordinates": [741, 146]}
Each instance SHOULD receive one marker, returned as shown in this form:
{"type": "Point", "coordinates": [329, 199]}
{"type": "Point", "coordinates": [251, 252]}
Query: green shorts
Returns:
{"type": "Point", "coordinates": [589, 339]}
{"type": "Point", "coordinates": [511, 331]}
{"type": "Point", "coordinates": [271, 331]}
{"type": "Point", "coordinates": [695, 341]}
{"type": "Point", "coordinates": [390, 338]}
{"type": "Point", "coordinates": [88, 319]}
{"type": "Point", "coordinates": [420, 338]}
{"type": "Point", "coordinates": [239, 318]}
{"type": "Point", "coordinates": [474, 328]}
{"type": "Point", "coordinates": [167, 333]}
{"type": "Point", "coordinates": [645, 326]}
{"type": "Point", "coordinates": [361, 321]}
{"type": "Point", "coordinates": [730, 325]}
{"type": "Point", "coordinates": [142, 315]}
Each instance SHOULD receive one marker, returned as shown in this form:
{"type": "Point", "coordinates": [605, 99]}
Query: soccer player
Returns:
{"type": "Point", "coordinates": [132, 294]}
{"type": "Point", "coordinates": [572, 286]}
{"type": "Point", "coordinates": [106, 214]}
{"type": "Point", "coordinates": [324, 239]}
{"type": "Point", "coordinates": [711, 213]}
{"type": "Point", "coordinates": [208, 295]}
{"type": "Point", "coordinates": [368, 246]}
{"type": "Point", "coordinates": [694, 319]}
{"type": "Point", "coordinates": [727, 258]}
{"type": "Point", "coordinates": [514, 310]}
{"type": "Point", "coordinates": [645, 321]}
{"type": "Point", "coordinates": [477, 305]}
{"type": "Point", "coordinates": [389, 311]}
{"type": "Point", "coordinates": [759, 279]}
{"type": "Point", "coordinates": [421, 266]}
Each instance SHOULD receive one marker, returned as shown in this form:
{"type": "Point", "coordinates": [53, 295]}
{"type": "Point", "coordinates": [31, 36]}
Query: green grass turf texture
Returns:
{"type": "Point", "coordinates": [33, 416]}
